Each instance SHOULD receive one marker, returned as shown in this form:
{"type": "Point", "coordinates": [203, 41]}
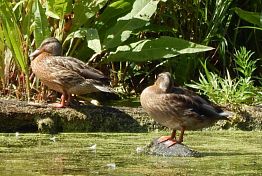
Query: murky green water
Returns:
{"type": "Point", "coordinates": [224, 153]}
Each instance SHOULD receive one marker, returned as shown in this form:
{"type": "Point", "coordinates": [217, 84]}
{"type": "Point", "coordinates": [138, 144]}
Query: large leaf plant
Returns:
{"type": "Point", "coordinates": [103, 30]}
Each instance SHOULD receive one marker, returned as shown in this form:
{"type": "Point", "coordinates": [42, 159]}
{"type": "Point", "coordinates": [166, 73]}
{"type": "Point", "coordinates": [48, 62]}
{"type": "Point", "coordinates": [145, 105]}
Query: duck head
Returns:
{"type": "Point", "coordinates": [164, 81]}
{"type": "Point", "coordinates": [50, 45]}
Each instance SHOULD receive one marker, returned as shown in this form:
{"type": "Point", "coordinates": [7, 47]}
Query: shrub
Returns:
{"type": "Point", "coordinates": [228, 90]}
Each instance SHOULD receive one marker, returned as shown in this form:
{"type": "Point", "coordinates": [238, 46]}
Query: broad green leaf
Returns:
{"type": "Point", "coordinates": [93, 40]}
{"type": "Point", "coordinates": [85, 10]}
{"type": "Point", "coordinates": [251, 17]}
{"type": "Point", "coordinates": [81, 33]}
{"type": "Point", "coordinates": [142, 9]}
{"type": "Point", "coordinates": [121, 32]}
{"type": "Point", "coordinates": [156, 28]}
{"type": "Point", "coordinates": [110, 15]}
{"type": "Point", "coordinates": [57, 8]}
{"type": "Point", "coordinates": [115, 9]}
{"type": "Point", "coordinates": [138, 17]}
{"type": "Point", "coordinates": [40, 25]}
{"type": "Point", "coordinates": [91, 36]}
{"type": "Point", "coordinates": [52, 14]}
{"type": "Point", "coordinates": [163, 47]}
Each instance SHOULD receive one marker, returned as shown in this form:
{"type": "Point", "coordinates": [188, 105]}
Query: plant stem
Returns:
{"type": "Point", "coordinates": [27, 81]}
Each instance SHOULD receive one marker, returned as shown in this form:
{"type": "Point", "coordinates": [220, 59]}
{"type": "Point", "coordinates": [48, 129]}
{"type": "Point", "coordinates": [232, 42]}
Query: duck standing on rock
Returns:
{"type": "Point", "coordinates": [178, 108]}
{"type": "Point", "coordinates": [66, 75]}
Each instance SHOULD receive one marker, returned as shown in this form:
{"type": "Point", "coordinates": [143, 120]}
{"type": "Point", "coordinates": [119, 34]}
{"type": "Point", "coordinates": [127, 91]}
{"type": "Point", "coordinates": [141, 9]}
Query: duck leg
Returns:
{"type": "Point", "coordinates": [181, 136]}
{"type": "Point", "coordinates": [171, 139]}
{"type": "Point", "coordinates": [63, 103]}
{"type": "Point", "coordinates": [68, 99]}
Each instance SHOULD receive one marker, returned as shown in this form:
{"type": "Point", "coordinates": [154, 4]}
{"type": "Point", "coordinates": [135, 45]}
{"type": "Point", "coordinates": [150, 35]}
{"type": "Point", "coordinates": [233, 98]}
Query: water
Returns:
{"type": "Point", "coordinates": [224, 153]}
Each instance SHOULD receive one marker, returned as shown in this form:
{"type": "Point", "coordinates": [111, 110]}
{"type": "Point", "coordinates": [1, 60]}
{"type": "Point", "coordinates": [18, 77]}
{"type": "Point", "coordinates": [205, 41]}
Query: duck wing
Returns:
{"type": "Point", "coordinates": [78, 66]}
{"type": "Point", "coordinates": [184, 98]}
{"type": "Point", "coordinates": [77, 84]}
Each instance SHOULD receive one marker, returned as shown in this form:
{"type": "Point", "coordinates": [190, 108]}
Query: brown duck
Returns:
{"type": "Point", "coordinates": [178, 108]}
{"type": "Point", "coordinates": [66, 75]}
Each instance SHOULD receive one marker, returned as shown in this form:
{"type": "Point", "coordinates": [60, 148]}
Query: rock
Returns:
{"type": "Point", "coordinates": [31, 117]}
{"type": "Point", "coordinates": [181, 150]}
{"type": "Point", "coordinates": [21, 116]}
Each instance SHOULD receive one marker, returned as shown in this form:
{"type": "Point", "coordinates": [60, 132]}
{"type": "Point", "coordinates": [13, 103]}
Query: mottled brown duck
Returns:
{"type": "Point", "coordinates": [178, 108]}
{"type": "Point", "coordinates": [66, 75]}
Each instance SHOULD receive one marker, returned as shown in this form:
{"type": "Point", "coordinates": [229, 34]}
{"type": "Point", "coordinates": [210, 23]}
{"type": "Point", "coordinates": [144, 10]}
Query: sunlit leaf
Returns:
{"type": "Point", "coordinates": [13, 36]}
{"type": "Point", "coordinates": [138, 17]}
{"type": "Point", "coordinates": [81, 33]}
{"type": "Point", "coordinates": [112, 12]}
{"type": "Point", "coordinates": [91, 35]}
{"type": "Point", "coordinates": [163, 47]}
{"type": "Point", "coordinates": [57, 8]}
{"type": "Point", "coordinates": [40, 26]}
{"type": "Point", "coordinates": [85, 10]}
{"type": "Point", "coordinates": [93, 40]}
{"type": "Point", "coordinates": [115, 9]}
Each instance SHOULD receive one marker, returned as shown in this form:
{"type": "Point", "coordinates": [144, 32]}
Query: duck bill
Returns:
{"type": "Point", "coordinates": [35, 53]}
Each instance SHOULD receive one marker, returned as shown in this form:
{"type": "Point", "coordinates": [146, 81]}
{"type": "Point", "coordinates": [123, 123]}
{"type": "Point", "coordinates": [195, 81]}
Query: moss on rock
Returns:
{"type": "Point", "coordinates": [28, 117]}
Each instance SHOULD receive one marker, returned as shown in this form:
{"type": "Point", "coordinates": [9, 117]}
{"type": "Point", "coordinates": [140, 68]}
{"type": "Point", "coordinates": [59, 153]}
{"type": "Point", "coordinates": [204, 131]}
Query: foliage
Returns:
{"type": "Point", "coordinates": [88, 29]}
{"type": "Point", "coordinates": [228, 90]}
{"type": "Point", "coordinates": [204, 22]}
{"type": "Point", "coordinates": [249, 26]}
{"type": "Point", "coordinates": [147, 50]}
{"type": "Point", "coordinates": [129, 40]}
{"type": "Point", "coordinates": [251, 17]}
{"type": "Point", "coordinates": [245, 65]}
{"type": "Point", "coordinates": [15, 37]}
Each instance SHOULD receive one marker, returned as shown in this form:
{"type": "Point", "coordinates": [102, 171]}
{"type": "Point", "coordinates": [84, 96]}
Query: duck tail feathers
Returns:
{"type": "Point", "coordinates": [225, 115]}
{"type": "Point", "coordinates": [104, 88]}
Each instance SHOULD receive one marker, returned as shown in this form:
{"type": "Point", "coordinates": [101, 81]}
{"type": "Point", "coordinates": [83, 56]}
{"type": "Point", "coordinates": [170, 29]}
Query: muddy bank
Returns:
{"type": "Point", "coordinates": [28, 117]}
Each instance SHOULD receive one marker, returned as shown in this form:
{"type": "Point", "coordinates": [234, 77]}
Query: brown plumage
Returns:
{"type": "Point", "coordinates": [178, 108]}
{"type": "Point", "coordinates": [66, 75]}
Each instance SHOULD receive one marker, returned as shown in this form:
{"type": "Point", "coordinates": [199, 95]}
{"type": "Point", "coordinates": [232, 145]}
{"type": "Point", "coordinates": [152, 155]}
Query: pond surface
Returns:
{"type": "Point", "coordinates": [224, 153]}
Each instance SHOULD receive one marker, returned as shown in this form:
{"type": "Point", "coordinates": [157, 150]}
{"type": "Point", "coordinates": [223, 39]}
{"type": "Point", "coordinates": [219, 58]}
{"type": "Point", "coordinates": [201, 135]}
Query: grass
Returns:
{"type": "Point", "coordinates": [224, 153]}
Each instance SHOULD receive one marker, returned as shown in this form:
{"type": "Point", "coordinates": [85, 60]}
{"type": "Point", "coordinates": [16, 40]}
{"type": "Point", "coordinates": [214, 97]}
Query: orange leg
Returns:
{"type": "Point", "coordinates": [181, 136]}
{"type": "Point", "coordinates": [172, 139]}
{"type": "Point", "coordinates": [64, 101]}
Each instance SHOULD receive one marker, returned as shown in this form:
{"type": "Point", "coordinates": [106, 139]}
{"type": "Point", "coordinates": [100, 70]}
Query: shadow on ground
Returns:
{"type": "Point", "coordinates": [27, 117]}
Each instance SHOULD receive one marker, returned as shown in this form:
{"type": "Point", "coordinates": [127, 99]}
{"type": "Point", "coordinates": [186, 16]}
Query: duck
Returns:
{"type": "Point", "coordinates": [178, 108]}
{"type": "Point", "coordinates": [64, 74]}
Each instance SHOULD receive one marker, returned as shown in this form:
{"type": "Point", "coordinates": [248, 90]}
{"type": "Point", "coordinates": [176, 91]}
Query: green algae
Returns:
{"type": "Point", "coordinates": [222, 153]}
